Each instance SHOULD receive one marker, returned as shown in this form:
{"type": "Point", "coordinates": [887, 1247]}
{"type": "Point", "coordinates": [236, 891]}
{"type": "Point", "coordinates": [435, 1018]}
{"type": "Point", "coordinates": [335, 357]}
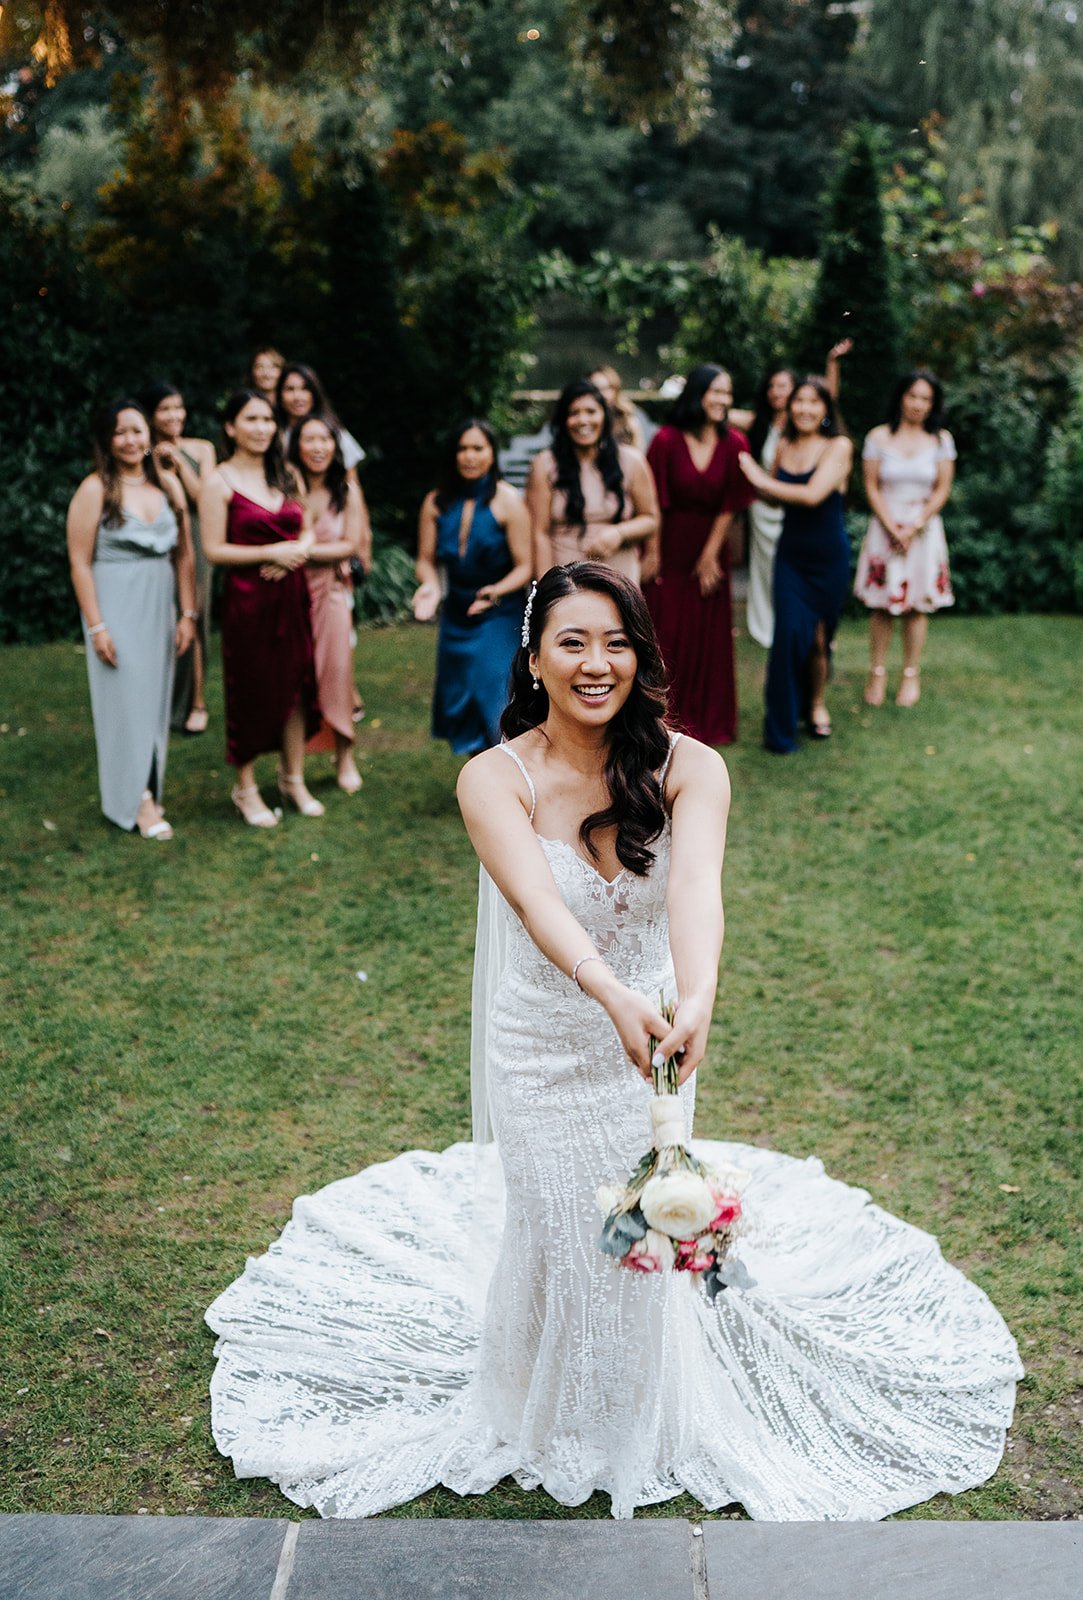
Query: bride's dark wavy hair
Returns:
{"type": "Point", "coordinates": [607, 459]}
{"type": "Point", "coordinates": [637, 736]}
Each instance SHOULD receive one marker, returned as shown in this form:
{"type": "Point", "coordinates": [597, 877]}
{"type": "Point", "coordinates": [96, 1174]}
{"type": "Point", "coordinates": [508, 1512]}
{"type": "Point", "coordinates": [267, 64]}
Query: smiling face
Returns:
{"type": "Point", "coordinates": [917, 403]}
{"type": "Point", "coordinates": [169, 418]}
{"type": "Point", "coordinates": [718, 398]}
{"type": "Point", "coordinates": [473, 455]}
{"type": "Point", "coordinates": [316, 446]}
{"type": "Point", "coordinates": [601, 382]}
{"type": "Point", "coordinates": [585, 658]}
{"type": "Point", "coordinates": [297, 397]}
{"type": "Point", "coordinates": [586, 420]}
{"type": "Point", "coordinates": [253, 427]}
{"type": "Point", "coordinates": [130, 441]}
{"type": "Point", "coordinates": [807, 409]}
{"type": "Point", "coordinates": [779, 390]}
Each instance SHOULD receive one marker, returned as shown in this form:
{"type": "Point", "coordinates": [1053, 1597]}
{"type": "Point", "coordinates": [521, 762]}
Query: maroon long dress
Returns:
{"type": "Point", "coordinates": [696, 633]}
{"type": "Point", "coordinates": [267, 656]}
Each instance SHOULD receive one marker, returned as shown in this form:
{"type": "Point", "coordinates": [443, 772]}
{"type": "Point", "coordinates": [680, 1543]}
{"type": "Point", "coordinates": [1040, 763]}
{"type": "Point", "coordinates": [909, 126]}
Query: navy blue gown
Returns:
{"type": "Point", "coordinates": [474, 654]}
{"type": "Point", "coordinates": [811, 582]}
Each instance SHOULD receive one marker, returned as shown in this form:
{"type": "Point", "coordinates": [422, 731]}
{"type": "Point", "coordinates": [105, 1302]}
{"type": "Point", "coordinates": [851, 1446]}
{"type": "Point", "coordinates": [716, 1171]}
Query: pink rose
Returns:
{"type": "Point", "coordinates": [691, 1257]}
{"type": "Point", "coordinates": [977, 290]}
{"type": "Point", "coordinates": [728, 1210]}
{"type": "Point", "coordinates": [652, 1253]}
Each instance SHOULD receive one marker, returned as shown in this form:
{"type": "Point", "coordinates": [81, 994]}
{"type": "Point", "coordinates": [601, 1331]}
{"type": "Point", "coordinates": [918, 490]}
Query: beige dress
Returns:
{"type": "Point", "coordinates": [599, 508]}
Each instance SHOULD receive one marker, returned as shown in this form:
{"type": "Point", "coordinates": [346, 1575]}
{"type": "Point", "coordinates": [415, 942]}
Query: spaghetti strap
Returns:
{"type": "Point", "coordinates": [508, 751]}
{"type": "Point", "coordinates": [665, 765]}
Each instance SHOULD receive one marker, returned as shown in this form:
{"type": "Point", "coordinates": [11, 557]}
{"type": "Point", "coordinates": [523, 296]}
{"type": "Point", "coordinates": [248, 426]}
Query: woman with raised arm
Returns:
{"type": "Point", "coordinates": [902, 570]}
{"type": "Point", "coordinates": [812, 567]}
{"type": "Point", "coordinates": [474, 529]}
{"type": "Point", "coordinates": [341, 531]}
{"type": "Point", "coordinates": [132, 570]}
{"type": "Point", "coordinates": [426, 1323]}
{"type": "Point", "coordinates": [765, 426]}
{"type": "Point", "coordinates": [193, 461]}
{"type": "Point", "coordinates": [254, 524]}
{"type": "Point", "coordinates": [700, 489]}
{"type": "Point", "coordinates": [590, 498]}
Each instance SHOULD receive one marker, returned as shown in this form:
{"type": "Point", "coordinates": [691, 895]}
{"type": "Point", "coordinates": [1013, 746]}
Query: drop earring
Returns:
{"type": "Point", "coordinates": [536, 683]}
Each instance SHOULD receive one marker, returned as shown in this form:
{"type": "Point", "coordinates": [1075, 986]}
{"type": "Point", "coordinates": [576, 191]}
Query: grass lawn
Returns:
{"type": "Point", "coordinates": [187, 1046]}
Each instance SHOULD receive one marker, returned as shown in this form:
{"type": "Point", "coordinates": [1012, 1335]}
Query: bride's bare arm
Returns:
{"type": "Point", "coordinates": [495, 807]}
{"type": "Point", "coordinates": [699, 790]}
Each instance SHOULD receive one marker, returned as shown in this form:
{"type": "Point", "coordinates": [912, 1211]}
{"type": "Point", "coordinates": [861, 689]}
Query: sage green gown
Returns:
{"type": "Point", "coordinates": [137, 595]}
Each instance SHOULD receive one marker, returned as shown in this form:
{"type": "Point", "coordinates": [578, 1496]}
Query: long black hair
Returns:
{"type": "Point", "coordinates": [607, 458]}
{"type": "Point", "coordinates": [935, 420]}
{"type": "Point", "coordinates": [687, 411]}
{"type": "Point", "coordinates": [275, 470]}
{"type": "Point", "coordinates": [450, 485]}
{"type": "Point", "coordinates": [831, 426]}
{"type": "Point", "coordinates": [638, 740]}
{"type": "Point", "coordinates": [765, 411]}
{"type": "Point", "coordinates": [334, 478]}
{"type": "Point", "coordinates": [105, 426]}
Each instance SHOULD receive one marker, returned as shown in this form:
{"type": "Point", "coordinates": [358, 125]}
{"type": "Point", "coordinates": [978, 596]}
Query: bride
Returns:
{"type": "Point", "coordinates": [448, 1318]}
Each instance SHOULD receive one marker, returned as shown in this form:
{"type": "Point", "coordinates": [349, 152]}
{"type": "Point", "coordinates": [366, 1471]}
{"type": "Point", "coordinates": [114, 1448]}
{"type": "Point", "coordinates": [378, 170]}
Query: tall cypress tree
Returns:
{"type": "Point", "coordinates": [854, 293]}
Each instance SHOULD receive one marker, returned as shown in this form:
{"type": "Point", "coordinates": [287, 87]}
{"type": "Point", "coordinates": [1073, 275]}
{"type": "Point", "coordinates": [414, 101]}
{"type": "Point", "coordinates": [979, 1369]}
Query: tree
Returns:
{"type": "Point", "coordinates": [1005, 77]}
{"type": "Point", "coordinates": [854, 292]}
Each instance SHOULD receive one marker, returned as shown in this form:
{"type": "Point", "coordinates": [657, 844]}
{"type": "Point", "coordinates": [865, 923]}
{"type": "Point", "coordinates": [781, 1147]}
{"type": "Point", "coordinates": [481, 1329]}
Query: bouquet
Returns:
{"type": "Point", "coordinates": [674, 1214]}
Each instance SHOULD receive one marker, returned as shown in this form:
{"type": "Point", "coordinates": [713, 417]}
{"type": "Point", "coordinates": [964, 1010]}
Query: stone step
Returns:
{"type": "Point", "coordinates": [401, 1558]}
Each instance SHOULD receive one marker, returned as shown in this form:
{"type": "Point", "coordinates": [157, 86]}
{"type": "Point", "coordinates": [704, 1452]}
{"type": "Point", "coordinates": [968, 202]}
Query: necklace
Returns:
{"type": "Point", "coordinates": [135, 482]}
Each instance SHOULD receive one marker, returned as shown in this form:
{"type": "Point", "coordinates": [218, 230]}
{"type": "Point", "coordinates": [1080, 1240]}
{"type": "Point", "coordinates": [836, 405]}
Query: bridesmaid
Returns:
{"type": "Point", "coordinates": [626, 425]}
{"type": "Point", "coordinates": [700, 488]}
{"type": "Point", "coordinates": [812, 567]}
{"type": "Point", "coordinates": [340, 527]}
{"type": "Point", "coordinates": [193, 461]}
{"type": "Point", "coordinates": [765, 426]}
{"type": "Point", "coordinates": [474, 526]}
{"type": "Point", "coordinates": [298, 394]}
{"type": "Point", "coordinates": [255, 526]}
{"type": "Point", "coordinates": [902, 571]}
{"type": "Point", "coordinates": [131, 560]}
{"type": "Point", "coordinates": [590, 499]}
{"type": "Point", "coordinates": [264, 371]}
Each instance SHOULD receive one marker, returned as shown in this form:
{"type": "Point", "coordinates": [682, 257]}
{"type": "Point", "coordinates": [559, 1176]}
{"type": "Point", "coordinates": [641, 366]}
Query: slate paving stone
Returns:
{"type": "Point", "coordinates": [138, 1558]}
{"type": "Point", "coordinates": [894, 1560]}
{"type": "Point", "coordinates": [400, 1559]}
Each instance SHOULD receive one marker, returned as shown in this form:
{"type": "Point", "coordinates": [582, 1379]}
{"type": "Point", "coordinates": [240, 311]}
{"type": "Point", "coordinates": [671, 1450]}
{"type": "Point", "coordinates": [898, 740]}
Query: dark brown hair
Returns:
{"type": "Point", "coordinates": [638, 740]}
{"type": "Point", "coordinates": [105, 426]}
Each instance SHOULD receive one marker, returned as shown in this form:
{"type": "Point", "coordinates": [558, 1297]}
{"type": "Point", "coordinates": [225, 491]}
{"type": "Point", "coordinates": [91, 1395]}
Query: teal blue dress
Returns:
{"type": "Point", "coordinates": [474, 654]}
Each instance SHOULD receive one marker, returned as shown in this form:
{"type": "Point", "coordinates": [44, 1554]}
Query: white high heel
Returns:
{"type": "Point", "coordinates": [287, 787]}
{"type": "Point", "coordinates": [258, 819]}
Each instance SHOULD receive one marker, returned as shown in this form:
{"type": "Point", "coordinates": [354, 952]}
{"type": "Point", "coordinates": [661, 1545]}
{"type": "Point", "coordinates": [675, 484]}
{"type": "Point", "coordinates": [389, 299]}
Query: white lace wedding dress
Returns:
{"type": "Point", "coordinates": [409, 1329]}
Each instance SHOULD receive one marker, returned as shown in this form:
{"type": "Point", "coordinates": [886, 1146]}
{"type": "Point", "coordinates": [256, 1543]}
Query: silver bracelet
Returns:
{"type": "Point", "coordinates": [581, 962]}
{"type": "Point", "coordinates": [99, 627]}
{"type": "Point", "coordinates": [193, 616]}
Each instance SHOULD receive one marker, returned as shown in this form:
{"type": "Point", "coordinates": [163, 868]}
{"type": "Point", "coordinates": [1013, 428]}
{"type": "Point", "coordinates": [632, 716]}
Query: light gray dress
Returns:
{"type": "Point", "coordinates": [136, 587]}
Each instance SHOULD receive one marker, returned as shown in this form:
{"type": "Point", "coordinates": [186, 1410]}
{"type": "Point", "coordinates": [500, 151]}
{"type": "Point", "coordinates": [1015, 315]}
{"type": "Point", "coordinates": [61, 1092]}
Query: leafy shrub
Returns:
{"type": "Point", "coordinates": [386, 594]}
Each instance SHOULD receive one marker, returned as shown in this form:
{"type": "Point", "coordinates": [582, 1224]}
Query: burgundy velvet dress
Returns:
{"type": "Point", "coordinates": [267, 655]}
{"type": "Point", "coordinates": [696, 633]}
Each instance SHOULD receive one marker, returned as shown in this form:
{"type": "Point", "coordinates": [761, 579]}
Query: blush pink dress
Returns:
{"type": "Point", "coordinates": [599, 508]}
{"type": "Point", "coordinates": [330, 593]}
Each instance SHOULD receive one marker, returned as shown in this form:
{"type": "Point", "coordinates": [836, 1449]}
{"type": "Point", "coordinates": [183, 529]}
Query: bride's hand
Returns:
{"type": "Point", "coordinates": [637, 1020]}
{"type": "Point", "coordinates": [688, 1033]}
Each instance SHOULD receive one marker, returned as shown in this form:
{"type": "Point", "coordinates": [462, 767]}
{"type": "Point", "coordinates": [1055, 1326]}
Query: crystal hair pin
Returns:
{"type": "Point", "coordinates": [525, 635]}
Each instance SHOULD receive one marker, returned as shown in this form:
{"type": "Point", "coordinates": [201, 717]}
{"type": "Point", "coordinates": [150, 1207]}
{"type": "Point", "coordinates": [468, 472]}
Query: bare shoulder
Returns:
{"type": "Point", "coordinates": [487, 777]}
{"type": "Point", "coordinates": [428, 505]}
{"type": "Point", "coordinates": [506, 496]}
{"type": "Point", "coordinates": [541, 466]}
{"type": "Point", "coordinates": [698, 769]}
{"type": "Point", "coordinates": [218, 486]}
{"type": "Point", "coordinates": [90, 495]}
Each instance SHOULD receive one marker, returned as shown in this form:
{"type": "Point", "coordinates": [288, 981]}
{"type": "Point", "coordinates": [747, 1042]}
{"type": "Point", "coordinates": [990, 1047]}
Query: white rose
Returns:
{"type": "Point", "coordinates": [658, 1245]}
{"type": "Point", "coordinates": [680, 1204]}
{"type": "Point", "coordinates": [608, 1198]}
